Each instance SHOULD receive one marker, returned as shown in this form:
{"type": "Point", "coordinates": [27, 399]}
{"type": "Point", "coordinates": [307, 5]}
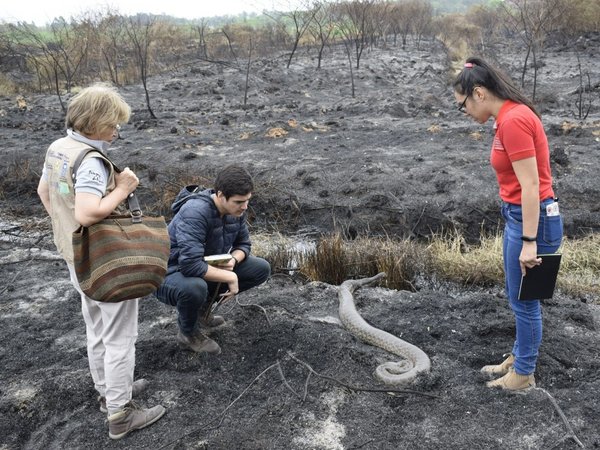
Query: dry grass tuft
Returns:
{"type": "Point", "coordinates": [401, 260]}
{"type": "Point", "coordinates": [451, 258]}
{"type": "Point", "coordinates": [19, 179]}
{"type": "Point", "coordinates": [580, 267]}
{"type": "Point", "coordinates": [328, 262]}
{"type": "Point", "coordinates": [283, 253]}
{"type": "Point", "coordinates": [7, 85]}
{"type": "Point", "coordinates": [333, 260]}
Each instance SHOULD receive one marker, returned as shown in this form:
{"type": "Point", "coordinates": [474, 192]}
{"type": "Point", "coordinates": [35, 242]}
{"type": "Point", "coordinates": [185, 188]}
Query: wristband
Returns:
{"type": "Point", "coordinates": [528, 238]}
{"type": "Point", "coordinates": [236, 261]}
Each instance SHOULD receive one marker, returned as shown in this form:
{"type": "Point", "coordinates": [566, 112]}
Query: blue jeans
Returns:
{"type": "Point", "coordinates": [528, 313]}
{"type": "Point", "coordinates": [190, 294]}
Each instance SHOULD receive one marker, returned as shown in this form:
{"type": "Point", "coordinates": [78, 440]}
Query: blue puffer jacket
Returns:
{"type": "Point", "coordinates": [198, 230]}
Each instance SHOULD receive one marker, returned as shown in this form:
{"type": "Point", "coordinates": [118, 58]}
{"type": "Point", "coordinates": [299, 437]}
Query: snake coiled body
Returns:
{"type": "Point", "coordinates": [392, 373]}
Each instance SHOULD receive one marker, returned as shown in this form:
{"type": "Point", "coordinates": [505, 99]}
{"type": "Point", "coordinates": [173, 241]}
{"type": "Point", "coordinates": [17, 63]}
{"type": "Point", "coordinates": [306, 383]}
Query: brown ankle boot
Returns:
{"type": "Point", "coordinates": [199, 343]}
{"type": "Point", "coordinates": [514, 382]}
{"type": "Point", "coordinates": [499, 369]}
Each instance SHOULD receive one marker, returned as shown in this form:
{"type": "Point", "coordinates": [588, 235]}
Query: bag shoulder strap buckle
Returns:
{"type": "Point", "coordinates": [135, 210]}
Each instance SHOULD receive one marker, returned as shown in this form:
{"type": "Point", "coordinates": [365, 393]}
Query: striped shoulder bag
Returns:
{"type": "Point", "coordinates": [123, 256]}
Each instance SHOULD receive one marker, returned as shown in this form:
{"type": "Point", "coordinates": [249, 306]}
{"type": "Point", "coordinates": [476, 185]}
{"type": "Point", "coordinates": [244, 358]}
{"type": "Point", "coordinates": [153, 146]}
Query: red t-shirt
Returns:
{"type": "Point", "coordinates": [519, 135]}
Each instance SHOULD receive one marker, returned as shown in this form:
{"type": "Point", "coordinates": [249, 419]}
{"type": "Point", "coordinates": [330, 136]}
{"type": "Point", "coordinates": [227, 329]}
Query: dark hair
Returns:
{"type": "Point", "coordinates": [234, 180]}
{"type": "Point", "coordinates": [477, 72]}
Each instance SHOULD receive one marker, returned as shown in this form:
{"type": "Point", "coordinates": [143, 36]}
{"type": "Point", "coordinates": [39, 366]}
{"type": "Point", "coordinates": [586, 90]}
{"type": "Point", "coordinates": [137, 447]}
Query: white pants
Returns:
{"type": "Point", "coordinates": [111, 330]}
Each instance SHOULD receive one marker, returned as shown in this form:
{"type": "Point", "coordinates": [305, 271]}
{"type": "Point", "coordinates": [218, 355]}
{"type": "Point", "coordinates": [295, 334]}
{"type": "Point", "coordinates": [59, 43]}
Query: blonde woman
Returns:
{"type": "Point", "coordinates": [93, 119]}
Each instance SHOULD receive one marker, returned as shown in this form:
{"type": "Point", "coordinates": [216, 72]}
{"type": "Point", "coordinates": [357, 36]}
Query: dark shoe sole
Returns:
{"type": "Point", "coordinates": [200, 352]}
{"type": "Point", "coordinates": [513, 391]}
{"type": "Point", "coordinates": [492, 375]}
{"type": "Point", "coordinates": [210, 330]}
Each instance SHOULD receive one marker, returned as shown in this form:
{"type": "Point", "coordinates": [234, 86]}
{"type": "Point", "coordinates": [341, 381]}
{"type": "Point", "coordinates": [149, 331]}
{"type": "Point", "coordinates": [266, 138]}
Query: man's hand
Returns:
{"type": "Point", "coordinates": [231, 292]}
{"type": "Point", "coordinates": [219, 274]}
{"type": "Point", "coordinates": [229, 265]}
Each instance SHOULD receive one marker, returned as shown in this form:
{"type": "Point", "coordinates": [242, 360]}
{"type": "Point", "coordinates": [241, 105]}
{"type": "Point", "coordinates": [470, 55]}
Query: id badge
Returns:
{"type": "Point", "coordinates": [552, 209]}
{"type": "Point", "coordinates": [63, 188]}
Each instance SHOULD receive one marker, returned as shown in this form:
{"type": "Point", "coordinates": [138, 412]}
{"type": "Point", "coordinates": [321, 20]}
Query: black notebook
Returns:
{"type": "Point", "coordinates": [539, 282]}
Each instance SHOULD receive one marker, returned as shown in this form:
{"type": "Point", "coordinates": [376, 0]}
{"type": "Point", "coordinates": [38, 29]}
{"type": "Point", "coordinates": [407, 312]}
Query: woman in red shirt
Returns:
{"type": "Point", "coordinates": [521, 160]}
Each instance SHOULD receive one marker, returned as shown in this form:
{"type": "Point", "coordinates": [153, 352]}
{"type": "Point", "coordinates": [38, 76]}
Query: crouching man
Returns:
{"type": "Point", "coordinates": [208, 223]}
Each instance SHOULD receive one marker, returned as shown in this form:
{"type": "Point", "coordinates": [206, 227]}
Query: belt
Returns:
{"type": "Point", "coordinates": [542, 205]}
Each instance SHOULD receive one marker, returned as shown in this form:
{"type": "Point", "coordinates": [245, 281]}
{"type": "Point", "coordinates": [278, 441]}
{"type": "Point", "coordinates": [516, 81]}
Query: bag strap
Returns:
{"type": "Point", "coordinates": [133, 204]}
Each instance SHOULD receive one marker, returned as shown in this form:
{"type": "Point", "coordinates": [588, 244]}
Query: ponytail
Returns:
{"type": "Point", "coordinates": [477, 72]}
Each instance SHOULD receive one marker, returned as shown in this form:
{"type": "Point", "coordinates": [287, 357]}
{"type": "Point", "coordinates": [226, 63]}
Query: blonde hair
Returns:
{"type": "Point", "coordinates": [97, 108]}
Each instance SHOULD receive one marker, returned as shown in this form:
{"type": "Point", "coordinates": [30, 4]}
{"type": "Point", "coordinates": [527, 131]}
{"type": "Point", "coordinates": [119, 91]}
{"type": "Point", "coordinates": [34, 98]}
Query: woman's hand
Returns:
{"type": "Point", "coordinates": [126, 181]}
{"type": "Point", "coordinates": [527, 174]}
{"type": "Point", "coordinates": [91, 208]}
{"type": "Point", "coordinates": [528, 257]}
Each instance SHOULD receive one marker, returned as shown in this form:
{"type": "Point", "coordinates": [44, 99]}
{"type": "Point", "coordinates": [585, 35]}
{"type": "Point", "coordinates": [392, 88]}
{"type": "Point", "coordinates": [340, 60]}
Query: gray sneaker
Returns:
{"type": "Point", "coordinates": [138, 387]}
{"type": "Point", "coordinates": [132, 417]}
{"type": "Point", "coordinates": [199, 343]}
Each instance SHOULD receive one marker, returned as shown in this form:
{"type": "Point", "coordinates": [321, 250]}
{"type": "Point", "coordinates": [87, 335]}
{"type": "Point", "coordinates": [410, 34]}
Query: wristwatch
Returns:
{"type": "Point", "coordinates": [528, 238]}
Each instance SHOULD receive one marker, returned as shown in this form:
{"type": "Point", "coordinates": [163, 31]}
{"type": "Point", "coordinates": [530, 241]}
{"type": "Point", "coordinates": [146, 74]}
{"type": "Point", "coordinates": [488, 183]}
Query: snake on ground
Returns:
{"type": "Point", "coordinates": [392, 373]}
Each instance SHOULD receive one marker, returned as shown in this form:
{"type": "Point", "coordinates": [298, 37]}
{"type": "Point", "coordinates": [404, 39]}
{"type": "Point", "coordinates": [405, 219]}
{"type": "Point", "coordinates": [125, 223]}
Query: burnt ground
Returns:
{"type": "Point", "coordinates": [398, 159]}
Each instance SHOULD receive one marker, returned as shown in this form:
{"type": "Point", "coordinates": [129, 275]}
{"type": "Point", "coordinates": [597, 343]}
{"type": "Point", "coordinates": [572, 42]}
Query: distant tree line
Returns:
{"type": "Point", "coordinates": [105, 45]}
{"type": "Point", "coordinates": [532, 23]}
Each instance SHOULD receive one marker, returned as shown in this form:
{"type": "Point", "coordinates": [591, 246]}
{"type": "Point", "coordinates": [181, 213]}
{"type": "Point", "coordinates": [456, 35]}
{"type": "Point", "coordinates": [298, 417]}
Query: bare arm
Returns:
{"type": "Point", "coordinates": [43, 191]}
{"type": "Point", "coordinates": [91, 208]}
{"type": "Point", "coordinates": [223, 273]}
{"type": "Point", "coordinates": [220, 275]}
{"type": "Point", "coordinates": [223, 276]}
{"type": "Point", "coordinates": [527, 174]}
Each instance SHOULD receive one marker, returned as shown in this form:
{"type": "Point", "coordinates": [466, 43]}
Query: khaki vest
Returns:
{"type": "Point", "coordinates": [60, 157]}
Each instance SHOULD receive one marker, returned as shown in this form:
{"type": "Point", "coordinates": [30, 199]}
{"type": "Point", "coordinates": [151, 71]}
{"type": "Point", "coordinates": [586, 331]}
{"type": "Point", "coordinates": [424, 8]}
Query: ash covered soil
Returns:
{"type": "Point", "coordinates": [397, 159]}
